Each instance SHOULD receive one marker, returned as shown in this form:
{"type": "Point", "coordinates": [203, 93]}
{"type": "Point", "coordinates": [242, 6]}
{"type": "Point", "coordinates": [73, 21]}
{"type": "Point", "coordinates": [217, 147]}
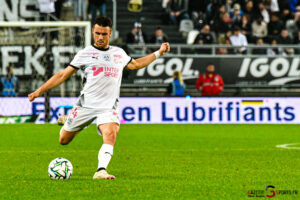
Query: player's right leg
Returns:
{"type": "Point", "coordinates": [108, 126]}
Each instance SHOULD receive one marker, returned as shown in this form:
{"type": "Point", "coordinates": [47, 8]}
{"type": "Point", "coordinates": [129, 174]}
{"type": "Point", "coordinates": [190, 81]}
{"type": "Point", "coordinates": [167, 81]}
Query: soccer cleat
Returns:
{"type": "Point", "coordinates": [102, 174]}
{"type": "Point", "coordinates": [62, 119]}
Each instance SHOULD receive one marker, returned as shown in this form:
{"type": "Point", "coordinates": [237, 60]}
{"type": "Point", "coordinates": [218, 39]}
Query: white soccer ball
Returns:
{"type": "Point", "coordinates": [60, 168]}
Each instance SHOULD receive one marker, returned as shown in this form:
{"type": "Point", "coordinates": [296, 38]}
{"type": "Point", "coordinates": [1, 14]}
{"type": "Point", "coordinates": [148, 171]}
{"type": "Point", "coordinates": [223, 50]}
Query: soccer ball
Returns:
{"type": "Point", "coordinates": [60, 168]}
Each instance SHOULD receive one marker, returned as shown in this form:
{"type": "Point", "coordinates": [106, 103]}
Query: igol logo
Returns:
{"type": "Point", "coordinates": [281, 69]}
{"type": "Point", "coordinates": [272, 191]}
{"type": "Point", "coordinates": [163, 67]}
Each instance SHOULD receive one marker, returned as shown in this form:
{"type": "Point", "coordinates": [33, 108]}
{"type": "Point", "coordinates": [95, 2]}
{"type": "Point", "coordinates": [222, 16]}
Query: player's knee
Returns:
{"type": "Point", "coordinates": [111, 134]}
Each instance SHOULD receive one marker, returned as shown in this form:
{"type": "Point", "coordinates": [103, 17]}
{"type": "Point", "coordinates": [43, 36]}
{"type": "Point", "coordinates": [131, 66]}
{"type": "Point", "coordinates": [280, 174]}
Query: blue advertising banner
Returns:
{"type": "Point", "coordinates": [148, 110]}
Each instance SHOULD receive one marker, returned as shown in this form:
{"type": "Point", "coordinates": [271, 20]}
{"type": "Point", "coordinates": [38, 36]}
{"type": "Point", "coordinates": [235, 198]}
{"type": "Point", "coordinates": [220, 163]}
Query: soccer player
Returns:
{"type": "Point", "coordinates": [102, 66]}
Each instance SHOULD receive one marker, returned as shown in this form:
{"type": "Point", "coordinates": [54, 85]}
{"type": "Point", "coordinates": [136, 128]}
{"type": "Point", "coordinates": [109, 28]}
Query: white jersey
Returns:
{"type": "Point", "coordinates": [102, 69]}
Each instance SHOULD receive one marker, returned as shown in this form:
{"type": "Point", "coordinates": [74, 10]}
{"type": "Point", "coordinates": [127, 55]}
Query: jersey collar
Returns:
{"type": "Point", "coordinates": [101, 49]}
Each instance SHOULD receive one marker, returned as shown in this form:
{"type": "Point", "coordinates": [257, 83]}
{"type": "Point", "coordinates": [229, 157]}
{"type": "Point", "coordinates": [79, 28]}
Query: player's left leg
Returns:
{"type": "Point", "coordinates": [109, 132]}
{"type": "Point", "coordinates": [78, 119]}
{"type": "Point", "coordinates": [65, 137]}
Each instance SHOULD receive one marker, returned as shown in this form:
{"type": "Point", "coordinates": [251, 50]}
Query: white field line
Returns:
{"type": "Point", "coordinates": [46, 151]}
{"type": "Point", "coordinates": [288, 146]}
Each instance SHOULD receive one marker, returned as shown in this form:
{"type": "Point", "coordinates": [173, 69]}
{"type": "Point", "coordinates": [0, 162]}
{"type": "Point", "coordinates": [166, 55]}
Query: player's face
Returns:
{"type": "Point", "coordinates": [101, 36]}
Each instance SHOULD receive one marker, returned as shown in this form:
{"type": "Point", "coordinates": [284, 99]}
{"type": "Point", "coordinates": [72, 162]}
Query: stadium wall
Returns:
{"type": "Point", "coordinates": [149, 110]}
{"type": "Point", "coordinates": [235, 70]}
{"type": "Point", "coordinates": [247, 70]}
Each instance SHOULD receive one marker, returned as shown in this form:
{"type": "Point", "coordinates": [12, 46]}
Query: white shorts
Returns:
{"type": "Point", "coordinates": [80, 118]}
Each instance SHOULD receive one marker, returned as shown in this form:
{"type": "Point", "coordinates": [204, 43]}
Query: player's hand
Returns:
{"type": "Point", "coordinates": [33, 95]}
{"type": "Point", "coordinates": [165, 47]}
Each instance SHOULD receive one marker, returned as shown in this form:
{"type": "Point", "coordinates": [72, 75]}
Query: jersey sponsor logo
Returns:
{"type": "Point", "coordinates": [117, 59]}
{"type": "Point", "coordinates": [111, 72]}
{"type": "Point", "coordinates": [108, 71]}
{"type": "Point", "coordinates": [97, 70]}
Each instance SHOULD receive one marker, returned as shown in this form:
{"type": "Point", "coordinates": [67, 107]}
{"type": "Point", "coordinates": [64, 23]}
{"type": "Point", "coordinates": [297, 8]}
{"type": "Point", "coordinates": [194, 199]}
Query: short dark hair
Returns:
{"type": "Point", "coordinates": [103, 21]}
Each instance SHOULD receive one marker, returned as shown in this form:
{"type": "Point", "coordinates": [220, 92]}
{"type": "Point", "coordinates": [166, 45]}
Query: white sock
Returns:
{"type": "Point", "coordinates": [104, 156]}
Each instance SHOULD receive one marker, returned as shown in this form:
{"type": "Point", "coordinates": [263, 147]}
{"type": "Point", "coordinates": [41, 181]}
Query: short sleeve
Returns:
{"type": "Point", "coordinates": [126, 59]}
{"type": "Point", "coordinates": [78, 60]}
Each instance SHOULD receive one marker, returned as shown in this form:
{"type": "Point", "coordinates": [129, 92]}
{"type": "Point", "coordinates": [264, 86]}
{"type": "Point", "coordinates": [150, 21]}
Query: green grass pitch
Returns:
{"type": "Point", "coordinates": [152, 162]}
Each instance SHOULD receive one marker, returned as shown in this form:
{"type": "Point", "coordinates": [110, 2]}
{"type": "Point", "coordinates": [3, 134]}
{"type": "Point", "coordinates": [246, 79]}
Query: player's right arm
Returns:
{"type": "Point", "coordinates": [53, 82]}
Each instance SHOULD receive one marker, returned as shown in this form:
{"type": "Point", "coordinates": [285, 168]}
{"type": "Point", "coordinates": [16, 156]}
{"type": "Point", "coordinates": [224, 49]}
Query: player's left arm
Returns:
{"type": "Point", "coordinates": [146, 60]}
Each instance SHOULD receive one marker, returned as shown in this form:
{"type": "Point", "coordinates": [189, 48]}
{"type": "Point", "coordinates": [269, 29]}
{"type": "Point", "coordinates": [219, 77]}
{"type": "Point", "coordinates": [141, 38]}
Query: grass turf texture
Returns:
{"type": "Point", "coordinates": [152, 162]}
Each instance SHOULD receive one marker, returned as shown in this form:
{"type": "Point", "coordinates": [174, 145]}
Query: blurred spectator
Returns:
{"type": "Point", "coordinates": [297, 41]}
{"type": "Point", "coordinates": [177, 87]}
{"type": "Point", "coordinates": [249, 10]}
{"type": "Point", "coordinates": [297, 13]}
{"type": "Point", "coordinates": [259, 28]}
{"type": "Point", "coordinates": [237, 15]}
{"type": "Point", "coordinates": [293, 5]}
{"type": "Point", "coordinates": [238, 39]}
{"type": "Point", "coordinates": [213, 8]}
{"type": "Point", "coordinates": [164, 3]}
{"type": "Point", "coordinates": [58, 7]}
{"type": "Point", "coordinates": [275, 50]}
{"type": "Point", "coordinates": [136, 36]}
{"type": "Point", "coordinates": [67, 3]}
{"type": "Point", "coordinates": [46, 6]}
{"type": "Point", "coordinates": [229, 6]}
{"type": "Point", "coordinates": [259, 51]}
{"type": "Point", "coordinates": [224, 24]}
{"type": "Point", "coordinates": [264, 12]}
{"type": "Point", "coordinates": [197, 12]}
{"type": "Point", "coordinates": [275, 26]}
{"type": "Point", "coordinates": [205, 36]}
{"type": "Point", "coordinates": [159, 36]}
{"type": "Point", "coordinates": [223, 37]}
{"type": "Point", "coordinates": [210, 83]}
{"type": "Point", "coordinates": [246, 27]}
{"type": "Point", "coordinates": [219, 13]}
{"type": "Point", "coordinates": [199, 19]}
{"type": "Point", "coordinates": [79, 36]}
{"type": "Point", "coordinates": [226, 50]}
{"type": "Point", "coordinates": [79, 10]}
{"type": "Point", "coordinates": [283, 4]}
{"type": "Point", "coordinates": [286, 15]}
{"type": "Point", "coordinates": [274, 6]}
{"type": "Point", "coordinates": [198, 6]}
{"type": "Point", "coordinates": [297, 38]}
{"type": "Point", "coordinates": [9, 84]}
{"type": "Point", "coordinates": [177, 10]}
{"type": "Point", "coordinates": [50, 11]}
{"type": "Point", "coordinates": [284, 38]}
{"type": "Point", "coordinates": [96, 5]}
